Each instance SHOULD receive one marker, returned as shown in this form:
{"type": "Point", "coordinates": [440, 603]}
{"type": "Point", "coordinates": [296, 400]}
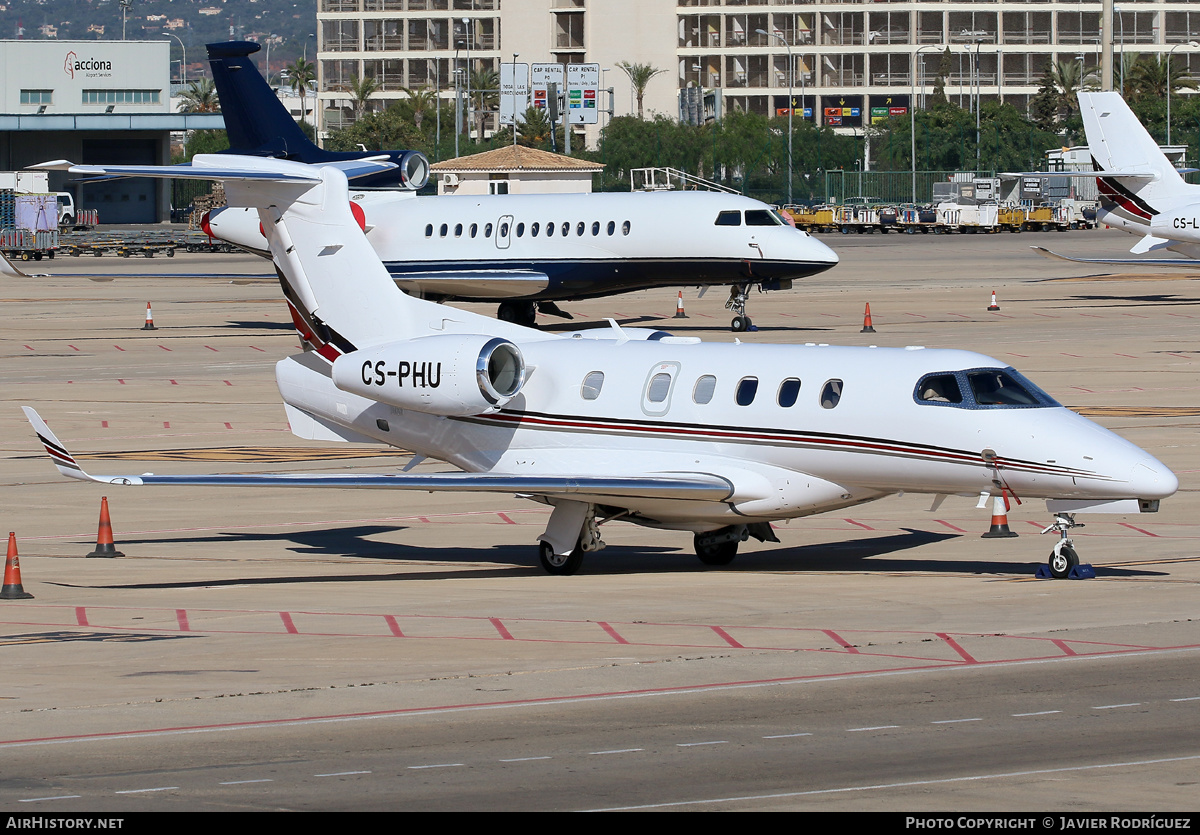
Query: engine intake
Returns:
{"type": "Point", "coordinates": [440, 375]}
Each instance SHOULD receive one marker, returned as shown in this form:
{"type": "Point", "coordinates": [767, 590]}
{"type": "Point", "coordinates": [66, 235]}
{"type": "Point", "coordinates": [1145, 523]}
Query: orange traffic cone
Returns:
{"type": "Point", "coordinates": [149, 326]}
{"type": "Point", "coordinates": [867, 326]}
{"type": "Point", "coordinates": [104, 537]}
{"type": "Point", "coordinates": [679, 314]}
{"type": "Point", "coordinates": [13, 590]}
{"type": "Point", "coordinates": [993, 305]}
{"type": "Point", "coordinates": [999, 528]}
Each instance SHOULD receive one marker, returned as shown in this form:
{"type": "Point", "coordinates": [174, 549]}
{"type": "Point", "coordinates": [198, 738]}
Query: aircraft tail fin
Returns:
{"type": "Point", "coordinates": [255, 119]}
{"type": "Point", "coordinates": [1119, 143]}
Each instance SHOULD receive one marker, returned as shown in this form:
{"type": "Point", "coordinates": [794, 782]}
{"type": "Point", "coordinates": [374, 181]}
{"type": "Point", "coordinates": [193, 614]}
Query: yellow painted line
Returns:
{"type": "Point", "coordinates": [1136, 411]}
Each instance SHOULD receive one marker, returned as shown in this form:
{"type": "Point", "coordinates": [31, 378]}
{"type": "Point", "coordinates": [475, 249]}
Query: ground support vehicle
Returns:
{"type": "Point", "coordinates": [28, 225]}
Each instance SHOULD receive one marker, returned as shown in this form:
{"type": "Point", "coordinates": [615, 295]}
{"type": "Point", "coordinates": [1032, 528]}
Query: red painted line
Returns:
{"type": "Point", "coordinates": [789, 315]}
{"type": "Point", "coordinates": [72, 347]}
{"type": "Point", "coordinates": [504, 633]}
{"type": "Point", "coordinates": [860, 524]}
{"type": "Point", "coordinates": [424, 519]}
{"type": "Point", "coordinates": [1135, 528]}
{"type": "Point", "coordinates": [1183, 315]}
{"type": "Point", "coordinates": [226, 382]}
{"type": "Point", "coordinates": [1081, 388]}
{"type": "Point", "coordinates": [961, 315]}
{"type": "Point", "coordinates": [164, 347]}
{"type": "Point", "coordinates": [166, 424]}
{"type": "Point", "coordinates": [1035, 524]}
{"type": "Point", "coordinates": [104, 424]}
{"type": "Point", "coordinates": [612, 633]}
{"type": "Point", "coordinates": [1065, 354]}
{"type": "Point", "coordinates": [1045, 315]}
{"type": "Point", "coordinates": [174, 383]}
{"type": "Point", "coordinates": [122, 382]}
{"type": "Point", "coordinates": [1131, 356]}
{"type": "Point", "coordinates": [1001, 315]}
{"type": "Point", "coordinates": [30, 347]}
{"type": "Point", "coordinates": [918, 315]}
{"type": "Point", "coordinates": [118, 347]}
{"type": "Point", "coordinates": [1022, 356]}
{"type": "Point", "coordinates": [948, 525]}
{"type": "Point", "coordinates": [390, 620]}
{"type": "Point", "coordinates": [182, 619]}
{"type": "Point", "coordinates": [1181, 356]}
{"type": "Point", "coordinates": [1091, 315]}
{"type": "Point", "coordinates": [1063, 646]}
{"type": "Point", "coordinates": [833, 315]}
{"type": "Point", "coordinates": [69, 382]}
{"type": "Point", "coordinates": [211, 348]}
{"type": "Point", "coordinates": [955, 646]}
{"type": "Point", "coordinates": [726, 637]}
{"type": "Point", "coordinates": [81, 616]}
{"type": "Point", "coordinates": [252, 348]}
{"type": "Point", "coordinates": [1135, 315]}
{"type": "Point", "coordinates": [228, 426]}
{"type": "Point", "coordinates": [841, 641]}
{"type": "Point", "coordinates": [506, 519]}
{"type": "Point", "coordinates": [288, 624]}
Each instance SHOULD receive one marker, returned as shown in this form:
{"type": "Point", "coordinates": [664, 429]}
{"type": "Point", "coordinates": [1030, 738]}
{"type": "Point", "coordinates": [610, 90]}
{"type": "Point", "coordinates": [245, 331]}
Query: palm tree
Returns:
{"type": "Point", "coordinates": [360, 90]}
{"type": "Point", "coordinates": [639, 77]}
{"type": "Point", "coordinates": [1069, 77]}
{"type": "Point", "coordinates": [200, 96]}
{"type": "Point", "coordinates": [419, 102]}
{"type": "Point", "coordinates": [300, 75]}
{"type": "Point", "coordinates": [485, 90]}
{"type": "Point", "coordinates": [1147, 78]}
{"type": "Point", "coordinates": [536, 130]}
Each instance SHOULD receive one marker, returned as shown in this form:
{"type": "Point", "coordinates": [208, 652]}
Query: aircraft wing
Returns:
{"type": "Point", "coordinates": [474, 284]}
{"type": "Point", "coordinates": [1175, 263]}
{"type": "Point", "coordinates": [1129, 174]}
{"type": "Point", "coordinates": [214, 170]}
{"type": "Point", "coordinates": [672, 485]}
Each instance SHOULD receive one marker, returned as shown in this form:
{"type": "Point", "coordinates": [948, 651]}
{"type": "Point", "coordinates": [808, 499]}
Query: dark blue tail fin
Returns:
{"type": "Point", "coordinates": [259, 125]}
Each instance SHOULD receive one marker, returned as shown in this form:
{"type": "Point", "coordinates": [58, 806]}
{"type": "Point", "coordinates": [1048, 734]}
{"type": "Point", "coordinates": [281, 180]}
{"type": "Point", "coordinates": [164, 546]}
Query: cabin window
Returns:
{"type": "Point", "coordinates": [612, 228]}
{"type": "Point", "coordinates": [474, 229]}
{"type": "Point", "coordinates": [487, 230]}
{"type": "Point", "coordinates": [625, 227]}
{"type": "Point", "coordinates": [831, 394]}
{"type": "Point", "coordinates": [660, 384]}
{"type": "Point", "coordinates": [458, 230]}
{"type": "Point", "coordinates": [579, 227]}
{"type": "Point", "coordinates": [442, 232]}
{"type": "Point", "coordinates": [520, 230]}
{"type": "Point", "coordinates": [592, 384]}
{"type": "Point", "coordinates": [789, 390]}
{"type": "Point", "coordinates": [566, 228]}
{"type": "Point", "coordinates": [761, 217]}
{"type": "Point", "coordinates": [703, 392]}
{"type": "Point", "coordinates": [533, 230]}
{"type": "Point", "coordinates": [429, 230]}
{"type": "Point", "coordinates": [747, 387]}
{"type": "Point", "coordinates": [595, 228]}
{"type": "Point", "coordinates": [939, 388]}
{"type": "Point", "coordinates": [549, 230]}
{"type": "Point", "coordinates": [729, 219]}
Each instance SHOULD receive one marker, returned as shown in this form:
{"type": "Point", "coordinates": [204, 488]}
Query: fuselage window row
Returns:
{"type": "Point", "coordinates": [534, 229]}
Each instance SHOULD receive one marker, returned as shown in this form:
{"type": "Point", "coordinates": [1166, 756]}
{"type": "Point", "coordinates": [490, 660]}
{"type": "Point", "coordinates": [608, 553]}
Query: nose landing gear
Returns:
{"type": "Point", "coordinates": [737, 303]}
{"type": "Point", "coordinates": [1063, 558]}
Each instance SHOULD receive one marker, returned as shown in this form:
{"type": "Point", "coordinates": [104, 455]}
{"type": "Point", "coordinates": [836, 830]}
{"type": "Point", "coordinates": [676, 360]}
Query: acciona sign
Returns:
{"type": "Point", "coordinates": [89, 67]}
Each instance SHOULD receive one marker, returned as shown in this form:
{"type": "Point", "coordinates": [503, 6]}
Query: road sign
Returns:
{"type": "Point", "coordinates": [583, 94]}
{"type": "Point", "coordinates": [514, 92]}
{"type": "Point", "coordinates": [541, 76]}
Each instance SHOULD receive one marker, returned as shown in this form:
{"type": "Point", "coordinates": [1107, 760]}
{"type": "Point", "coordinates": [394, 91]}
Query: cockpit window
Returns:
{"type": "Point", "coordinates": [761, 217]}
{"type": "Point", "coordinates": [981, 388]}
{"type": "Point", "coordinates": [729, 219]}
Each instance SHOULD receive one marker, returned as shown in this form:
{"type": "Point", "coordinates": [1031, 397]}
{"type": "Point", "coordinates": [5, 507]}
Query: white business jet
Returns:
{"type": "Point", "coordinates": [1140, 191]}
{"type": "Point", "coordinates": [637, 425]}
{"type": "Point", "coordinates": [530, 251]}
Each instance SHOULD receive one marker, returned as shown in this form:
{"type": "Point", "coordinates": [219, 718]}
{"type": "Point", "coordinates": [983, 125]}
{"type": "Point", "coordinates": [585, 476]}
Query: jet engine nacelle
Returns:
{"type": "Point", "coordinates": [440, 375]}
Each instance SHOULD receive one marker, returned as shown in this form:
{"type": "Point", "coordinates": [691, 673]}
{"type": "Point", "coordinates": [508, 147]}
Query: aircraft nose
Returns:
{"type": "Point", "coordinates": [1151, 479]}
{"type": "Point", "coordinates": [822, 253]}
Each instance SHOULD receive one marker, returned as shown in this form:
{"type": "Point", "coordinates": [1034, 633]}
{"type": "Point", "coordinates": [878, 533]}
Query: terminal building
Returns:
{"type": "Point", "coordinates": [93, 102]}
{"type": "Point", "coordinates": [850, 60]}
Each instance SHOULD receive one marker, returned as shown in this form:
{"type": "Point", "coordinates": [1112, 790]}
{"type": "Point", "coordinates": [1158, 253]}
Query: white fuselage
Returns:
{"type": "Point", "coordinates": [782, 460]}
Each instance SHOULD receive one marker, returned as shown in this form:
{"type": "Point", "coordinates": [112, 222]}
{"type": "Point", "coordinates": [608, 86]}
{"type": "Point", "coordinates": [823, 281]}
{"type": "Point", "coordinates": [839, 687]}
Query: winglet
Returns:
{"type": "Point", "coordinates": [7, 269]}
{"type": "Point", "coordinates": [58, 453]}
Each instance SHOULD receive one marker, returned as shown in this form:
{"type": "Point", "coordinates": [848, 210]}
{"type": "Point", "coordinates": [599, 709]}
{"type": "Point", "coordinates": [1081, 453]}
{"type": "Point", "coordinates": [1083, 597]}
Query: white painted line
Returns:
{"type": "Point", "coordinates": [953, 721]}
{"type": "Point", "coordinates": [139, 791]}
{"type": "Point", "coordinates": [244, 782]}
{"type": "Point", "coordinates": [341, 774]}
{"type": "Point", "coordinates": [875, 728]}
{"type": "Point", "coordinates": [439, 765]}
{"type": "Point", "coordinates": [1113, 707]}
{"type": "Point", "coordinates": [525, 759]}
{"type": "Point", "coordinates": [887, 786]}
{"type": "Point", "coordinates": [785, 736]}
{"type": "Point", "coordinates": [694, 744]}
{"type": "Point", "coordinates": [38, 799]}
{"type": "Point", "coordinates": [1039, 713]}
{"type": "Point", "coordinates": [617, 751]}
{"type": "Point", "coordinates": [1188, 699]}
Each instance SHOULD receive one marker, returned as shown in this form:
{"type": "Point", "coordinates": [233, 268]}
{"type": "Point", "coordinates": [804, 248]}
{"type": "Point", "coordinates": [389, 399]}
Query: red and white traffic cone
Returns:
{"type": "Point", "coordinates": [867, 326]}
{"type": "Point", "coordinates": [104, 537]}
{"type": "Point", "coordinates": [13, 590]}
{"type": "Point", "coordinates": [999, 528]}
{"type": "Point", "coordinates": [149, 326]}
{"type": "Point", "coordinates": [993, 305]}
{"type": "Point", "coordinates": [679, 314]}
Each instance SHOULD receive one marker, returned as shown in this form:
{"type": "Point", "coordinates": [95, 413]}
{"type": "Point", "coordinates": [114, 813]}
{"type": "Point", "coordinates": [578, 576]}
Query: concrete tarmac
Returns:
{"type": "Point", "coordinates": [274, 649]}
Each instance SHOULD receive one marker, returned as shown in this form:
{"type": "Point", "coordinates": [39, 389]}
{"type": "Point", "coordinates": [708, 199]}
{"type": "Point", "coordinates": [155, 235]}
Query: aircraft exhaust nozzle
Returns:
{"type": "Point", "coordinates": [414, 170]}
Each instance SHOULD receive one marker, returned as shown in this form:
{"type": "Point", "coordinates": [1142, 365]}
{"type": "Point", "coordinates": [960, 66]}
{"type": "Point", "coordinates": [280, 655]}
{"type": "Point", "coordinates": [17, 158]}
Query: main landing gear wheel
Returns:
{"type": "Point", "coordinates": [520, 313]}
{"type": "Point", "coordinates": [736, 303]}
{"type": "Point", "coordinates": [740, 324]}
{"type": "Point", "coordinates": [1062, 560]}
{"type": "Point", "coordinates": [720, 554]}
{"type": "Point", "coordinates": [562, 564]}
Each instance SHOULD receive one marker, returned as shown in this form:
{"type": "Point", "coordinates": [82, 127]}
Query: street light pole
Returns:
{"type": "Point", "coordinates": [1192, 44]}
{"type": "Point", "coordinates": [514, 98]}
{"type": "Point", "coordinates": [791, 99]}
{"type": "Point", "coordinates": [912, 114]}
{"type": "Point", "coordinates": [183, 66]}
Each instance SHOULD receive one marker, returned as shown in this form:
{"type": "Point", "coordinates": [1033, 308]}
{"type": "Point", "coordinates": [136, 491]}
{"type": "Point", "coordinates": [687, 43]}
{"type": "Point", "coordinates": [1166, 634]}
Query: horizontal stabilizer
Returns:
{"type": "Point", "coordinates": [1173, 263]}
{"type": "Point", "coordinates": [218, 167]}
